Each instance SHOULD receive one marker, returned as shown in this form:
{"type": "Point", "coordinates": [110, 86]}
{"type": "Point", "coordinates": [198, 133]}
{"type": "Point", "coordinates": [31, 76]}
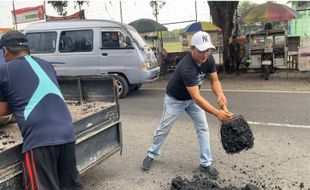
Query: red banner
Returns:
{"type": "Point", "coordinates": [76, 16]}
{"type": "Point", "coordinates": [28, 14]}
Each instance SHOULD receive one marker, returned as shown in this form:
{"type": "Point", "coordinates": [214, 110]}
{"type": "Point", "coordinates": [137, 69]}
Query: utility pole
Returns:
{"type": "Point", "coordinates": [14, 15]}
{"type": "Point", "coordinates": [121, 10]}
{"type": "Point", "coordinates": [196, 9]}
{"type": "Point", "coordinates": [44, 11]}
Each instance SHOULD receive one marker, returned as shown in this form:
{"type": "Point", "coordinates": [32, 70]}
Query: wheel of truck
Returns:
{"type": "Point", "coordinates": [136, 87]}
{"type": "Point", "coordinates": [122, 86]}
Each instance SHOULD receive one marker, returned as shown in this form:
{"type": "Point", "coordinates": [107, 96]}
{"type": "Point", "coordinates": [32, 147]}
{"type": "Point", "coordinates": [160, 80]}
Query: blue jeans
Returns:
{"type": "Point", "coordinates": [172, 109]}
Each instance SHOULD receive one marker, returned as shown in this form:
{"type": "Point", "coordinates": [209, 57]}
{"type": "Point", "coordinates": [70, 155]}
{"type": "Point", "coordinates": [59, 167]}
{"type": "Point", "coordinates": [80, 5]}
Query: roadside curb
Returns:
{"type": "Point", "coordinates": [281, 81]}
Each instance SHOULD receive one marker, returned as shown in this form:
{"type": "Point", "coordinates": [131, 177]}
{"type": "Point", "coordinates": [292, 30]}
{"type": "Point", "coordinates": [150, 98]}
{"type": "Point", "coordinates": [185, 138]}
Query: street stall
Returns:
{"type": "Point", "coordinates": [150, 29]}
{"type": "Point", "coordinates": [271, 48]}
{"type": "Point", "coordinates": [283, 47]}
{"type": "Point", "coordinates": [276, 46]}
{"type": "Point", "coordinates": [268, 42]}
{"type": "Point", "coordinates": [216, 36]}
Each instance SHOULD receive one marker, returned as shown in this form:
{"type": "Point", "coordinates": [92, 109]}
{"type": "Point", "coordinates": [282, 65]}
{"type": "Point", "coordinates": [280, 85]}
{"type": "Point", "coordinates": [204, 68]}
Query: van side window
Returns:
{"type": "Point", "coordinates": [76, 41]}
{"type": "Point", "coordinates": [42, 42]}
{"type": "Point", "coordinates": [113, 40]}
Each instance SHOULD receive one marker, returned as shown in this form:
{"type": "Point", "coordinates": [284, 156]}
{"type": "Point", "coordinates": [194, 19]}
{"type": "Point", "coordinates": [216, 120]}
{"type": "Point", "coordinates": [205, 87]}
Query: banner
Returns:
{"type": "Point", "coordinates": [76, 16]}
{"type": "Point", "coordinates": [28, 14]}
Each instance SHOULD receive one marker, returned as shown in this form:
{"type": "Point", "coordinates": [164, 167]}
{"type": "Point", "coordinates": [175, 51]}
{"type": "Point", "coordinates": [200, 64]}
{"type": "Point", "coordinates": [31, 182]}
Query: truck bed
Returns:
{"type": "Point", "coordinates": [93, 104]}
{"type": "Point", "coordinates": [10, 135]}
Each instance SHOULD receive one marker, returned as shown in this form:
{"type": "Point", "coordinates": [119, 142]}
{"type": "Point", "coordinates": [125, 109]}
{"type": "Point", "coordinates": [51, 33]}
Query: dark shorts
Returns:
{"type": "Point", "coordinates": [51, 168]}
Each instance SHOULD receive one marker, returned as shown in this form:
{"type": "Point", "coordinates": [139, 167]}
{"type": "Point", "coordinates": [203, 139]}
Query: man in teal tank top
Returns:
{"type": "Point", "coordinates": [29, 90]}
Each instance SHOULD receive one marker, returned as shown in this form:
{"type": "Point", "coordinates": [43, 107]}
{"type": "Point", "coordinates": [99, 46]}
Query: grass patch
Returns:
{"type": "Point", "coordinates": [173, 46]}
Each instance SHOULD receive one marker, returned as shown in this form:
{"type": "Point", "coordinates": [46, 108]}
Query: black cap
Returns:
{"type": "Point", "coordinates": [13, 38]}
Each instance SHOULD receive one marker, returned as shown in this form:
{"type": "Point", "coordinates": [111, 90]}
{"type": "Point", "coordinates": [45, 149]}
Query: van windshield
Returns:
{"type": "Point", "coordinates": [141, 42]}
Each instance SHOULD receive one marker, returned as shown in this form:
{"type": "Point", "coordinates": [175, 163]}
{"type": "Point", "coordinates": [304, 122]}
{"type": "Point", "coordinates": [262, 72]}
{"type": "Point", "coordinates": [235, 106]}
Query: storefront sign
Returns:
{"type": "Point", "coordinates": [28, 14]}
{"type": "Point", "coordinates": [76, 16]}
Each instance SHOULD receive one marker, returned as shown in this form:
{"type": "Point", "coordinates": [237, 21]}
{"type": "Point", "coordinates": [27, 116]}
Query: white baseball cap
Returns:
{"type": "Point", "coordinates": [201, 40]}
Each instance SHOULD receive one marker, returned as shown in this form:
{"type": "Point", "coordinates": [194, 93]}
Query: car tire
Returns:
{"type": "Point", "coordinates": [122, 86]}
{"type": "Point", "coordinates": [136, 87]}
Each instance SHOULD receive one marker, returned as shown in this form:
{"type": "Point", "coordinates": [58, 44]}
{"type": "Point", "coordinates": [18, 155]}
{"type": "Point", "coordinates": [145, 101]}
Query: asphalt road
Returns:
{"type": "Point", "coordinates": [280, 156]}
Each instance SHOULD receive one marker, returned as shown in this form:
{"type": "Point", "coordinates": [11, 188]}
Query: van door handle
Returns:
{"type": "Point", "coordinates": [104, 54]}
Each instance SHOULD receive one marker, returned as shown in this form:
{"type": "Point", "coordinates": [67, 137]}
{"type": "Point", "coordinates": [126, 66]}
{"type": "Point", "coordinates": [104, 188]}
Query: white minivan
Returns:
{"type": "Point", "coordinates": [95, 47]}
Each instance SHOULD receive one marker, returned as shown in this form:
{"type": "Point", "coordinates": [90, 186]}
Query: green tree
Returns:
{"type": "Point", "coordinates": [156, 5]}
{"type": "Point", "coordinates": [80, 4]}
{"type": "Point", "coordinates": [61, 6]}
{"type": "Point", "coordinates": [242, 8]}
{"type": "Point", "coordinates": [222, 13]}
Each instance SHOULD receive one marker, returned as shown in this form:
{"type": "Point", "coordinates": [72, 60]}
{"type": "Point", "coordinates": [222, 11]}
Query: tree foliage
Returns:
{"type": "Point", "coordinates": [245, 5]}
{"type": "Point", "coordinates": [222, 13]}
{"type": "Point", "coordinates": [246, 28]}
{"type": "Point", "coordinates": [80, 4]}
{"type": "Point", "coordinates": [61, 6]}
{"type": "Point", "coordinates": [156, 5]}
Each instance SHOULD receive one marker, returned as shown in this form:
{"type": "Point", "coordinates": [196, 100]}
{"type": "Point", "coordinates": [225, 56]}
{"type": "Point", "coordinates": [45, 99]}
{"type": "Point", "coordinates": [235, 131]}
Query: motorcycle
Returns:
{"type": "Point", "coordinates": [266, 65]}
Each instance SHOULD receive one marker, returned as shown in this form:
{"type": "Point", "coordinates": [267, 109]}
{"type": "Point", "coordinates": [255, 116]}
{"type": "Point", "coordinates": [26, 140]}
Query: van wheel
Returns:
{"type": "Point", "coordinates": [136, 87]}
{"type": "Point", "coordinates": [122, 85]}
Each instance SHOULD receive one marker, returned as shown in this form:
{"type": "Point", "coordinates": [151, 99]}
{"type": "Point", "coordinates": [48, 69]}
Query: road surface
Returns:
{"type": "Point", "coordinates": [280, 156]}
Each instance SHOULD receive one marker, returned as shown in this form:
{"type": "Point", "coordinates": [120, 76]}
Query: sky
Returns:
{"type": "Point", "coordinates": [174, 11]}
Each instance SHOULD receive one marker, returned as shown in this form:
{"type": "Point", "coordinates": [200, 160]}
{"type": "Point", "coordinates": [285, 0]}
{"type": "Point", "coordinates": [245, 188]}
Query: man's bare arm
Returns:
{"type": "Point", "coordinates": [217, 89]}
{"type": "Point", "coordinates": [201, 101]}
{"type": "Point", "coordinates": [4, 109]}
{"type": "Point", "coordinates": [205, 105]}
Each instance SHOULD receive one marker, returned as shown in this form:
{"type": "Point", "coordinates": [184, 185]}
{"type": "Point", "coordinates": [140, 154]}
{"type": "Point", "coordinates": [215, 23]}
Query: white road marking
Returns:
{"type": "Point", "coordinates": [228, 90]}
{"type": "Point", "coordinates": [266, 91]}
{"type": "Point", "coordinates": [278, 124]}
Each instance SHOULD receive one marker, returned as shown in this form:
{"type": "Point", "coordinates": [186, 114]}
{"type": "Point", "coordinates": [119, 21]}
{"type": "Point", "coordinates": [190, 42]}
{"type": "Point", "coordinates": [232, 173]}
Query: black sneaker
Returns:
{"type": "Point", "coordinates": [147, 162]}
{"type": "Point", "coordinates": [210, 171]}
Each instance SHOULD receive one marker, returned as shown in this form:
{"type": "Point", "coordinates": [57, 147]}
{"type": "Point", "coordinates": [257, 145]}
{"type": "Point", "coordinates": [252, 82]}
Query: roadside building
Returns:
{"type": "Point", "coordinates": [301, 26]}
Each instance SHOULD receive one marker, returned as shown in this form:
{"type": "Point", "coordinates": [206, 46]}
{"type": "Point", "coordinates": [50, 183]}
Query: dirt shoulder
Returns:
{"type": "Point", "coordinates": [279, 81]}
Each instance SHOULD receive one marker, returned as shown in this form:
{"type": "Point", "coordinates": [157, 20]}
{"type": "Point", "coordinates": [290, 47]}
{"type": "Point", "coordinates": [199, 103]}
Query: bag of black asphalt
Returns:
{"type": "Point", "coordinates": [202, 183]}
{"type": "Point", "coordinates": [236, 135]}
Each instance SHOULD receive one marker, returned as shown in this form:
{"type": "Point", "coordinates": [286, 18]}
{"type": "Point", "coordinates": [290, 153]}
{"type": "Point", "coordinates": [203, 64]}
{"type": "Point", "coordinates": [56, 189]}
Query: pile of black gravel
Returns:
{"type": "Point", "coordinates": [203, 183]}
{"type": "Point", "coordinates": [236, 135]}
{"type": "Point", "coordinates": [5, 140]}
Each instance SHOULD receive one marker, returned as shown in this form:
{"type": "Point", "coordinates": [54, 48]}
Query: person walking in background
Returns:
{"type": "Point", "coordinates": [234, 53]}
{"type": "Point", "coordinates": [246, 51]}
{"type": "Point", "coordinates": [29, 90]}
{"type": "Point", "coordinates": [183, 95]}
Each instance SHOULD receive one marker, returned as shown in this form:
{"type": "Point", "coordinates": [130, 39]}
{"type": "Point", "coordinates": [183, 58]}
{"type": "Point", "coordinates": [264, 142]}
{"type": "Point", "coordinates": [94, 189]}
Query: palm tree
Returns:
{"type": "Point", "coordinates": [156, 5]}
